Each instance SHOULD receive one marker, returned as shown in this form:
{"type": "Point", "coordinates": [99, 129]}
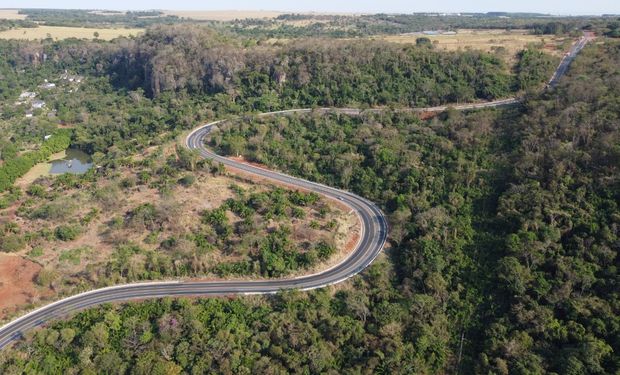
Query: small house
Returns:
{"type": "Point", "coordinates": [27, 95]}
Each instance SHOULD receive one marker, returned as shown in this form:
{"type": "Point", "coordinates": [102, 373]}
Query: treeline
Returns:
{"type": "Point", "coordinates": [313, 72]}
{"type": "Point", "coordinates": [6, 24]}
{"type": "Point", "coordinates": [96, 18]}
{"type": "Point", "coordinates": [16, 167]}
{"type": "Point", "coordinates": [341, 26]}
{"type": "Point", "coordinates": [200, 61]}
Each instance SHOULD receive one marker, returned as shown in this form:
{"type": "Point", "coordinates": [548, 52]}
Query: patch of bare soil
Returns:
{"type": "Point", "coordinates": [17, 287]}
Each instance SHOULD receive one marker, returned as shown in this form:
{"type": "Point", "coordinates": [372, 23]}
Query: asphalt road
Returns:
{"type": "Point", "coordinates": [569, 57]}
{"type": "Point", "coordinates": [372, 239]}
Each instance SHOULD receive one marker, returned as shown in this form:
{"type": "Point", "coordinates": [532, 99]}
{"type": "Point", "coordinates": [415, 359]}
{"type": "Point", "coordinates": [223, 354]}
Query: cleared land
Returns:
{"type": "Point", "coordinates": [11, 14]}
{"type": "Point", "coordinates": [17, 271]}
{"type": "Point", "coordinates": [62, 32]}
{"type": "Point", "coordinates": [486, 40]}
{"type": "Point", "coordinates": [223, 15]}
{"type": "Point", "coordinates": [118, 212]}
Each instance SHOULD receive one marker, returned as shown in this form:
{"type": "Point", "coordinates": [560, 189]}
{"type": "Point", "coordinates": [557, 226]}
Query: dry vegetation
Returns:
{"type": "Point", "coordinates": [62, 32]}
{"type": "Point", "coordinates": [223, 15]}
{"type": "Point", "coordinates": [11, 14]}
{"type": "Point", "coordinates": [486, 40]}
{"type": "Point", "coordinates": [118, 211]}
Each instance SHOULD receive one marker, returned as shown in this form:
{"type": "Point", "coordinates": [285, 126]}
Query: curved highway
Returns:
{"type": "Point", "coordinates": [373, 233]}
{"type": "Point", "coordinates": [372, 238]}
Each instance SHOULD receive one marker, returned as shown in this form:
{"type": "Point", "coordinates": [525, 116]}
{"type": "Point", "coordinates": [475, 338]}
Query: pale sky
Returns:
{"type": "Point", "coordinates": [564, 7]}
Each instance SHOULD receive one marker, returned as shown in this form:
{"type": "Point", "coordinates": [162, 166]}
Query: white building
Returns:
{"type": "Point", "coordinates": [27, 95]}
{"type": "Point", "coordinates": [48, 85]}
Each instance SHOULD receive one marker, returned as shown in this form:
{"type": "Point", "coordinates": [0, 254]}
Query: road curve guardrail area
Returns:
{"type": "Point", "coordinates": [373, 234]}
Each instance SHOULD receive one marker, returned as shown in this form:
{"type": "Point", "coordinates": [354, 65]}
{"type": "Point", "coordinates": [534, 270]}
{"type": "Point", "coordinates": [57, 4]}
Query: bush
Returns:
{"type": "Point", "coordinates": [73, 256]}
{"type": "Point", "coordinates": [11, 242]}
{"type": "Point", "coordinates": [36, 252]}
{"type": "Point", "coordinates": [187, 180]}
{"type": "Point", "coordinates": [298, 213]}
{"type": "Point", "coordinates": [36, 190]}
{"type": "Point", "coordinates": [53, 211]}
{"type": "Point", "coordinates": [324, 251]}
{"type": "Point", "coordinates": [67, 232]}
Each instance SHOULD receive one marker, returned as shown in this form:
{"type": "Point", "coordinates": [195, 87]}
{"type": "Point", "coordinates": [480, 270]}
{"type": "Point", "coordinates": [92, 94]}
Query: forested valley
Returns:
{"type": "Point", "coordinates": [504, 223]}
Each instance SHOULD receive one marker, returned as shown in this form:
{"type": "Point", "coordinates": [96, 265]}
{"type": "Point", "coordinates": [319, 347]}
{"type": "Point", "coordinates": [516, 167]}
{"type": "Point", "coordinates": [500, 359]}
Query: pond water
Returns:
{"type": "Point", "coordinates": [76, 162]}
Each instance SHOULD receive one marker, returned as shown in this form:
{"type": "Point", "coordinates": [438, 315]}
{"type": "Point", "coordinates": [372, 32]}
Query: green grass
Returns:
{"type": "Point", "coordinates": [73, 256]}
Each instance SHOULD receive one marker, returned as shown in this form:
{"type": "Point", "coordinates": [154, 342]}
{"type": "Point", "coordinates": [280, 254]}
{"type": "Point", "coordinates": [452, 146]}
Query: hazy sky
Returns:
{"type": "Point", "coordinates": [365, 6]}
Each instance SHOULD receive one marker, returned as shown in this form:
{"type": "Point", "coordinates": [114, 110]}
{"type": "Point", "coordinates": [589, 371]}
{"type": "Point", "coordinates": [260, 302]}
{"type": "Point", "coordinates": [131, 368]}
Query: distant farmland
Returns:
{"type": "Point", "coordinates": [222, 15]}
{"type": "Point", "coordinates": [486, 40]}
{"type": "Point", "coordinates": [11, 14]}
{"type": "Point", "coordinates": [62, 32]}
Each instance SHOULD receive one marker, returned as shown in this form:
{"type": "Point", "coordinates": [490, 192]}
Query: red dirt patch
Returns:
{"type": "Point", "coordinates": [427, 115]}
{"type": "Point", "coordinates": [353, 240]}
{"type": "Point", "coordinates": [17, 286]}
{"type": "Point", "coordinates": [241, 159]}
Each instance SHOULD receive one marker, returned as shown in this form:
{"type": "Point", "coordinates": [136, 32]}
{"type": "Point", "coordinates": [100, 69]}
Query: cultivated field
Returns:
{"type": "Point", "coordinates": [11, 14]}
{"type": "Point", "coordinates": [62, 32]}
{"type": "Point", "coordinates": [223, 15]}
{"type": "Point", "coordinates": [486, 40]}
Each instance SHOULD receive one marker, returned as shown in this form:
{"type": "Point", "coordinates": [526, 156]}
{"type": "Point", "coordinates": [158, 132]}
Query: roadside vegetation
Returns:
{"type": "Point", "coordinates": [165, 214]}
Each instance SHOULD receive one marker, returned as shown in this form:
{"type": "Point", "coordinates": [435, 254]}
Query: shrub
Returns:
{"type": "Point", "coordinates": [36, 252]}
{"type": "Point", "coordinates": [324, 250]}
{"type": "Point", "coordinates": [187, 180]}
{"type": "Point", "coordinates": [36, 190]}
{"type": "Point", "coordinates": [67, 232]}
{"type": "Point", "coordinates": [11, 242]}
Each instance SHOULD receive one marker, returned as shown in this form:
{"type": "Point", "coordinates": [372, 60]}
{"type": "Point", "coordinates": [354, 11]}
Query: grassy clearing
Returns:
{"type": "Point", "coordinates": [11, 14]}
{"type": "Point", "coordinates": [486, 40]}
{"type": "Point", "coordinates": [223, 15]}
{"type": "Point", "coordinates": [62, 32]}
{"type": "Point", "coordinates": [39, 170]}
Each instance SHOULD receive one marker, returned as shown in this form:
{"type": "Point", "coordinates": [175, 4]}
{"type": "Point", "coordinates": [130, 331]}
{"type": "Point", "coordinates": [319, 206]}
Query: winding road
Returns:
{"type": "Point", "coordinates": [373, 235]}
{"type": "Point", "coordinates": [374, 230]}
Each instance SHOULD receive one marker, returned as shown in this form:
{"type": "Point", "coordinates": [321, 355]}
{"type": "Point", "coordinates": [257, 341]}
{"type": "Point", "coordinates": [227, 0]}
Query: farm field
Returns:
{"type": "Point", "coordinates": [62, 32]}
{"type": "Point", "coordinates": [11, 14]}
{"type": "Point", "coordinates": [223, 15]}
{"type": "Point", "coordinates": [486, 40]}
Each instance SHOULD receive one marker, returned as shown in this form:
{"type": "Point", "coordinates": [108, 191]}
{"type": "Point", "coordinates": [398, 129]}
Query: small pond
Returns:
{"type": "Point", "coordinates": [76, 162]}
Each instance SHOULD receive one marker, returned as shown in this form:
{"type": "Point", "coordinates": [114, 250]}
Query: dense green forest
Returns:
{"type": "Point", "coordinates": [311, 72]}
{"type": "Point", "coordinates": [140, 91]}
{"type": "Point", "coordinates": [198, 60]}
{"type": "Point", "coordinates": [504, 223]}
